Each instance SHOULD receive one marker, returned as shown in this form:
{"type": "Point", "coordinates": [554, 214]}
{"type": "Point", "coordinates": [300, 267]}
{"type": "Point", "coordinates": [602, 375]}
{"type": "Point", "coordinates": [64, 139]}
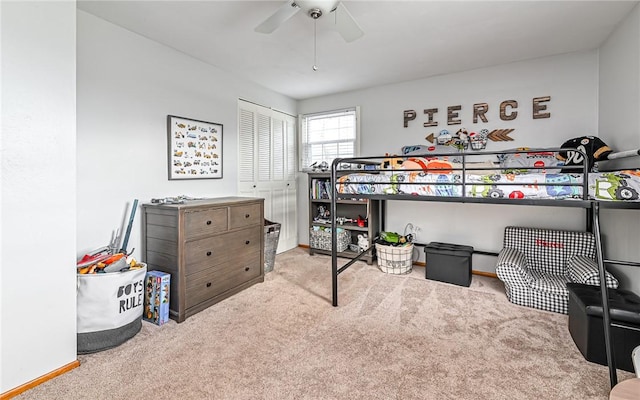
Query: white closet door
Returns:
{"type": "Point", "coordinates": [246, 127]}
{"type": "Point", "coordinates": [291, 169]}
{"type": "Point", "coordinates": [267, 166]}
{"type": "Point", "coordinates": [264, 147]}
{"type": "Point", "coordinates": [277, 159]}
{"type": "Point", "coordinates": [289, 236]}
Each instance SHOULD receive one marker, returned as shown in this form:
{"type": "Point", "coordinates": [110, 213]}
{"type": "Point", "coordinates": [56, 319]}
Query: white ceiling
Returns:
{"type": "Point", "coordinates": [404, 40]}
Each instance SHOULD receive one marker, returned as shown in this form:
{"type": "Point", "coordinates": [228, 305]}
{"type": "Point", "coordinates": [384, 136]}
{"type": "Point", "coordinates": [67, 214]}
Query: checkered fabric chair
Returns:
{"type": "Point", "coordinates": [536, 264]}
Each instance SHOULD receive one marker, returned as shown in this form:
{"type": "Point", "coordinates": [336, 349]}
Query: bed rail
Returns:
{"type": "Point", "coordinates": [460, 167]}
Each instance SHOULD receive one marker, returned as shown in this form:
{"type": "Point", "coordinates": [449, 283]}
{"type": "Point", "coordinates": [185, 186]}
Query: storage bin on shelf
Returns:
{"type": "Point", "coordinates": [321, 239]}
{"type": "Point", "coordinates": [395, 259]}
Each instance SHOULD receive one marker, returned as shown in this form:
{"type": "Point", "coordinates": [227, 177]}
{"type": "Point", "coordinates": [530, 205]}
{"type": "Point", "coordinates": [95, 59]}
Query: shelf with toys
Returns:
{"type": "Point", "coordinates": [358, 221]}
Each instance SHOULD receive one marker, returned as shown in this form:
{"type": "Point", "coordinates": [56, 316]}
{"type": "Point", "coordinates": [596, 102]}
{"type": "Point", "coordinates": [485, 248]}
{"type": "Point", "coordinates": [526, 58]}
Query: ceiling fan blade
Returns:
{"type": "Point", "coordinates": [346, 25]}
{"type": "Point", "coordinates": [286, 11]}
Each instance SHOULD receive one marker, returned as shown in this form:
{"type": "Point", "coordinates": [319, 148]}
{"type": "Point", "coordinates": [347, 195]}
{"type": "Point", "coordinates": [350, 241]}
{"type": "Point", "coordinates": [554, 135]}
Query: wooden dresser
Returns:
{"type": "Point", "coordinates": [212, 248]}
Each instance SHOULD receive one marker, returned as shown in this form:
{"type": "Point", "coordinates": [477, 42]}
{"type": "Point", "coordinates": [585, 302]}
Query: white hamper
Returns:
{"type": "Point", "coordinates": [109, 308]}
{"type": "Point", "coordinates": [395, 259]}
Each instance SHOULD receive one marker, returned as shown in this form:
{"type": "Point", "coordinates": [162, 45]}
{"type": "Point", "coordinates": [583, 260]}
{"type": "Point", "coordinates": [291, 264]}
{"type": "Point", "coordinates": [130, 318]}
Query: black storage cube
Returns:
{"type": "Point", "coordinates": [449, 263]}
{"type": "Point", "coordinates": [587, 327]}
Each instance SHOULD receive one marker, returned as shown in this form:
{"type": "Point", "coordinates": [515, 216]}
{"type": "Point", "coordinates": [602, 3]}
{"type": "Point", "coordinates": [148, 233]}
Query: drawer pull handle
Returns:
{"type": "Point", "coordinates": [247, 215]}
{"type": "Point", "coordinates": [208, 284]}
{"type": "Point", "coordinates": [247, 242]}
{"type": "Point", "coordinates": [246, 269]}
{"type": "Point", "coordinates": [208, 253]}
{"type": "Point", "coordinates": [208, 222]}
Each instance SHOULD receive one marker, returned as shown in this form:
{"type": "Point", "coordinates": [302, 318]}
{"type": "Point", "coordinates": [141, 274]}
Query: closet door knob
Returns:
{"type": "Point", "coordinates": [247, 242]}
{"type": "Point", "coordinates": [246, 269]}
{"type": "Point", "coordinates": [208, 222]}
{"type": "Point", "coordinates": [208, 284]}
{"type": "Point", "coordinates": [208, 253]}
{"type": "Point", "coordinates": [247, 215]}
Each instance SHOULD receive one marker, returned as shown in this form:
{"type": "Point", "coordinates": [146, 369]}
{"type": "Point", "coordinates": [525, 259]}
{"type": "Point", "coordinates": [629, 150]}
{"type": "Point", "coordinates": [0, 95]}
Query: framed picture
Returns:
{"type": "Point", "coordinates": [195, 148]}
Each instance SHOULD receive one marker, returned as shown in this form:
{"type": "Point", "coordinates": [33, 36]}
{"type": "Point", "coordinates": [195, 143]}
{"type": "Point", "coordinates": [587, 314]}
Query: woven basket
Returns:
{"type": "Point", "coordinates": [395, 260]}
{"type": "Point", "coordinates": [321, 239]}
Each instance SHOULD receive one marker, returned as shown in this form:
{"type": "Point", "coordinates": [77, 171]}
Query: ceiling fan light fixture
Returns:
{"type": "Point", "coordinates": [325, 6]}
{"type": "Point", "coordinates": [346, 25]}
{"type": "Point", "coordinates": [315, 13]}
{"type": "Point", "coordinates": [344, 21]}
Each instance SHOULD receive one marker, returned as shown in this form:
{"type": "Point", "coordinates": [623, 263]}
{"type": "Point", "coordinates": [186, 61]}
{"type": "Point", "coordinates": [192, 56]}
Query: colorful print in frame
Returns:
{"type": "Point", "coordinates": [195, 148]}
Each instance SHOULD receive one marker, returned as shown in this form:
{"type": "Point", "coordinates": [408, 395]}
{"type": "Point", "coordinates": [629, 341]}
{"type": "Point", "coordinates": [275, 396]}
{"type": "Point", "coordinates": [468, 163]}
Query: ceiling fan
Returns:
{"type": "Point", "coordinates": [344, 22]}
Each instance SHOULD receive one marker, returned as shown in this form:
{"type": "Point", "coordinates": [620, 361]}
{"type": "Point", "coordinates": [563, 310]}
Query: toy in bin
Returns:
{"type": "Point", "coordinates": [395, 253]}
{"type": "Point", "coordinates": [395, 239]}
{"type": "Point", "coordinates": [156, 297]}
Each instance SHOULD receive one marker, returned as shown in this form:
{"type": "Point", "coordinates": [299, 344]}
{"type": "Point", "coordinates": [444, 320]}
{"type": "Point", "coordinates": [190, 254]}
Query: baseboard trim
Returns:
{"type": "Point", "coordinates": [485, 273]}
{"type": "Point", "coordinates": [29, 385]}
{"type": "Point", "coordinates": [421, 264]}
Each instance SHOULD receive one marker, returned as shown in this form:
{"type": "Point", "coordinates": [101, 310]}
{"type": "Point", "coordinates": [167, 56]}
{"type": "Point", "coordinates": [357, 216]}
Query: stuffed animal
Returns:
{"type": "Point", "coordinates": [391, 162]}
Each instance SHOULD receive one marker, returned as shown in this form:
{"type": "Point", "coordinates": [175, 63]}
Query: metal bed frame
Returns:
{"type": "Point", "coordinates": [592, 221]}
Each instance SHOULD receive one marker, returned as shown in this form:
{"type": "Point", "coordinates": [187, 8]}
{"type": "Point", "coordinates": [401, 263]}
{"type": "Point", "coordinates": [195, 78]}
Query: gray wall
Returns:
{"type": "Point", "coordinates": [619, 126]}
{"type": "Point", "coordinates": [38, 190]}
{"type": "Point", "coordinates": [127, 85]}
{"type": "Point", "coordinates": [572, 82]}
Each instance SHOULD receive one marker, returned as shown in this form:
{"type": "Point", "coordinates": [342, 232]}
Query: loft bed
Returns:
{"type": "Point", "coordinates": [489, 178]}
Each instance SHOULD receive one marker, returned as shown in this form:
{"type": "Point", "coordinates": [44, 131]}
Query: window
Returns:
{"type": "Point", "coordinates": [328, 135]}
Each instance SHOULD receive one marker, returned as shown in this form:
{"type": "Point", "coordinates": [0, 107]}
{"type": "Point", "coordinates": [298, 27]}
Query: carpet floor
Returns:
{"type": "Point", "coordinates": [391, 337]}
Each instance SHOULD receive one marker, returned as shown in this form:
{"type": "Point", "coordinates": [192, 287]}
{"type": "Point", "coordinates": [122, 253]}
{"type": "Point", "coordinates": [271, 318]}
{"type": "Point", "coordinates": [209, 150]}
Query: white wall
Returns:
{"type": "Point", "coordinates": [571, 80]}
{"type": "Point", "coordinates": [127, 85]}
{"type": "Point", "coordinates": [37, 251]}
{"type": "Point", "coordinates": [619, 126]}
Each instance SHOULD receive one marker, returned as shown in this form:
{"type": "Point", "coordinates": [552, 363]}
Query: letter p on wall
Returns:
{"type": "Point", "coordinates": [409, 115]}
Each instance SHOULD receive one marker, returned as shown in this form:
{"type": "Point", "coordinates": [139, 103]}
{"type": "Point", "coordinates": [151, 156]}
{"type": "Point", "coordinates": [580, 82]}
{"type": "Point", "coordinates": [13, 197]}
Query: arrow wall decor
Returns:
{"type": "Point", "coordinates": [431, 137]}
{"type": "Point", "coordinates": [500, 135]}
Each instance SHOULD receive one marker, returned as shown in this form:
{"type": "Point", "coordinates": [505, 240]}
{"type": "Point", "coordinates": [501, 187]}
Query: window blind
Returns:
{"type": "Point", "coordinates": [326, 136]}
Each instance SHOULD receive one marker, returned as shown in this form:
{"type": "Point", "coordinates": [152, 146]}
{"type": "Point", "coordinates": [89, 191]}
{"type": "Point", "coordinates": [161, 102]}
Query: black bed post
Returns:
{"type": "Point", "coordinates": [334, 236]}
{"type": "Point", "coordinates": [606, 317]}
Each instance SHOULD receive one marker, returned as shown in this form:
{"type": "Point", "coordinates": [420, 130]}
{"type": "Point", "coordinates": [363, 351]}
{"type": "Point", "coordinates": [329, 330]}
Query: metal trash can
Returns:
{"type": "Point", "coordinates": [271, 235]}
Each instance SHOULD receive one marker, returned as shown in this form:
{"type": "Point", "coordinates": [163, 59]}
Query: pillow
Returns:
{"type": "Point", "coordinates": [444, 152]}
{"type": "Point", "coordinates": [470, 166]}
{"type": "Point", "coordinates": [520, 162]}
{"type": "Point", "coordinates": [430, 165]}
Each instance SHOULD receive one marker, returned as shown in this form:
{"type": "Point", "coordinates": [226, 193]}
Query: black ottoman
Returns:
{"type": "Point", "coordinates": [586, 326]}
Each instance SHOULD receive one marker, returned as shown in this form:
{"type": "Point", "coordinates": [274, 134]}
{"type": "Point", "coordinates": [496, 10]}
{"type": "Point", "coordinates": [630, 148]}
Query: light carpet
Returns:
{"type": "Point", "coordinates": [391, 337]}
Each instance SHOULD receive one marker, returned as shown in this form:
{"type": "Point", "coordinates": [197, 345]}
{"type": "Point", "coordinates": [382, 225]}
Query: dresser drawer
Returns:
{"type": "Point", "coordinates": [245, 215]}
{"type": "Point", "coordinates": [214, 281]}
{"type": "Point", "coordinates": [205, 222]}
{"type": "Point", "coordinates": [205, 253]}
